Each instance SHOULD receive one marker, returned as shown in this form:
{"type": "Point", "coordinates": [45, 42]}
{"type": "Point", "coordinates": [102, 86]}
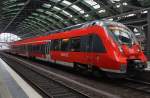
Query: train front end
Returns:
{"type": "Point", "coordinates": [130, 58]}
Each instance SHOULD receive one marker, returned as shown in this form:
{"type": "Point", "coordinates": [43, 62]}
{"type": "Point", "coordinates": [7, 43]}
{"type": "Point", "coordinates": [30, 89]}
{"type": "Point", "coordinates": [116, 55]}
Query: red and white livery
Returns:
{"type": "Point", "coordinates": [98, 45]}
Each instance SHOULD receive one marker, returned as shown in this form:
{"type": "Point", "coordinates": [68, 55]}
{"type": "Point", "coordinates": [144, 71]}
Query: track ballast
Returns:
{"type": "Point", "coordinates": [49, 87]}
{"type": "Point", "coordinates": [127, 83]}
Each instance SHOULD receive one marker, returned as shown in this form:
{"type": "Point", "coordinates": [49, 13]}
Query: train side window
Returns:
{"type": "Point", "coordinates": [29, 48]}
{"type": "Point", "coordinates": [36, 48]}
{"type": "Point", "coordinates": [32, 48]}
{"type": "Point", "coordinates": [75, 44]}
{"type": "Point", "coordinates": [85, 43]}
{"type": "Point", "coordinates": [65, 44]}
{"type": "Point", "coordinates": [97, 45]}
{"type": "Point", "coordinates": [52, 44]}
{"type": "Point", "coordinates": [40, 48]}
{"type": "Point", "coordinates": [44, 48]}
{"type": "Point", "coordinates": [56, 44]}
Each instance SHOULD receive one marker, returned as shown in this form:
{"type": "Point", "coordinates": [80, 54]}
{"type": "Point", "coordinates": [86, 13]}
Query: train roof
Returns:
{"type": "Point", "coordinates": [71, 28]}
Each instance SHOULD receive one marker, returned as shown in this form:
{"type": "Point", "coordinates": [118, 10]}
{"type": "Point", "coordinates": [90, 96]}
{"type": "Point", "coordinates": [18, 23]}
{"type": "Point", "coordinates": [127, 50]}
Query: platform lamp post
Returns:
{"type": "Point", "coordinates": [147, 46]}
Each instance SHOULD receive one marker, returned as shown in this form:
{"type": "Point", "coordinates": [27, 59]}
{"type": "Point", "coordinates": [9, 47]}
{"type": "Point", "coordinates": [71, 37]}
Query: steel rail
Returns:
{"type": "Point", "coordinates": [71, 90]}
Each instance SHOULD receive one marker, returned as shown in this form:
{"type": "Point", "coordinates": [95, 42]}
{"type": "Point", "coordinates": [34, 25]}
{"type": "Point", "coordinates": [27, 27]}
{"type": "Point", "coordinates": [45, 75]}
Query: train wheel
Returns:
{"type": "Point", "coordinates": [98, 73]}
{"type": "Point", "coordinates": [82, 68]}
{"type": "Point", "coordinates": [76, 67]}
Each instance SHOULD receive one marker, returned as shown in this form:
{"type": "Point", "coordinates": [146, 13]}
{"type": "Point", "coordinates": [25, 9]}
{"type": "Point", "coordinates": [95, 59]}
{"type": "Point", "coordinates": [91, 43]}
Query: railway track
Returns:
{"type": "Point", "coordinates": [49, 87]}
{"type": "Point", "coordinates": [127, 83]}
{"type": "Point", "coordinates": [137, 85]}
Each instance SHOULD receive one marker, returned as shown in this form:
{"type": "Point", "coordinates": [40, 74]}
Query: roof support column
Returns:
{"type": "Point", "coordinates": [147, 46]}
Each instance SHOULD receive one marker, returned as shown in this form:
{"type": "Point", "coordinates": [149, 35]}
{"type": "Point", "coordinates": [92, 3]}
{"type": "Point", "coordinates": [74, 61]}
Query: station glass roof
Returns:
{"type": "Point", "coordinates": [28, 18]}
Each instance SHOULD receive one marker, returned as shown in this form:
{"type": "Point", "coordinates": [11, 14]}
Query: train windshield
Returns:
{"type": "Point", "coordinates": [122, 34]}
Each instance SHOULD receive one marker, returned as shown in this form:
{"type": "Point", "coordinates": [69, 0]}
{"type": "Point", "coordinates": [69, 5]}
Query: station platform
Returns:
{"type": "Point", "coordinates": [12, 85]}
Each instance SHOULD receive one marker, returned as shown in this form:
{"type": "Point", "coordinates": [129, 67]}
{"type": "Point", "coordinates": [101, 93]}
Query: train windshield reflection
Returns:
{"type": "Point", "coordinates": [122, 35]}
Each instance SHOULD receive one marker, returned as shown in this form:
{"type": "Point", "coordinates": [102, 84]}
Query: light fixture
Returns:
{"type": "Point", "coordinates": [124, 3]}
{"type": "Point", "coordinates": [118, 5]}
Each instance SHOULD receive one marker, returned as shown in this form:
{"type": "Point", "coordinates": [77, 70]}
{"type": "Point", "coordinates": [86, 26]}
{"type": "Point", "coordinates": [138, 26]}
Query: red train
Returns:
{"type": "Point", "coordinates": [97, 46]}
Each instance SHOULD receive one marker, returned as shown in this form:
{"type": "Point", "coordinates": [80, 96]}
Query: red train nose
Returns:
{"type": "Point", "coordinates": [132, 51]}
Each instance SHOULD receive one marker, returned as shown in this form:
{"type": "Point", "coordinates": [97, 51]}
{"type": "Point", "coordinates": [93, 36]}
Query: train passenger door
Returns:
{"type": "Point", "coordinates": [47, 51]}
{"type": "Point", "coordinates": [85, 49]}
{"type": "Point", "coordinates": [89, 50]}
{"type": "Point", "coordinates": [95, 48]}
{"type": "Point", "coordinates": [65, 50]}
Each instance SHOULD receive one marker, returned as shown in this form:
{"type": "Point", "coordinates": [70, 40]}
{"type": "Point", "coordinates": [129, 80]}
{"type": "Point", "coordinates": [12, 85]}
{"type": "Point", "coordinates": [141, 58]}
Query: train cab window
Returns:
{"type": "Point", "coordinates": [75, 44]}
{"type": "Point", "coordinates": [65, 44]}
{"type": "Point", "coordinates": [56, 45]}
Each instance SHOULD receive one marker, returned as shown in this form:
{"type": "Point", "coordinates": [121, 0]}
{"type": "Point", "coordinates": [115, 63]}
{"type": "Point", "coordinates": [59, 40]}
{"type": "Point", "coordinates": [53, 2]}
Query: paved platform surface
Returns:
{"type": "Point", "coordinates": [12, 85]}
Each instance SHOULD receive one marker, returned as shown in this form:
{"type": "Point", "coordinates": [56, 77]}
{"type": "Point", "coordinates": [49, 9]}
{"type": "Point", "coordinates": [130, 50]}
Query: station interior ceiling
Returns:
{"type": "Point", "coordinates": [30, 18]}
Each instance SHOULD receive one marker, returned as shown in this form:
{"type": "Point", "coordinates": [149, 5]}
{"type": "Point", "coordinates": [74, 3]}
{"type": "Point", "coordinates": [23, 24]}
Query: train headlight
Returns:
{"type": "Point", "coordinates": [138, 50]}
{"type": "Point", "coordinates": [123, 68]}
